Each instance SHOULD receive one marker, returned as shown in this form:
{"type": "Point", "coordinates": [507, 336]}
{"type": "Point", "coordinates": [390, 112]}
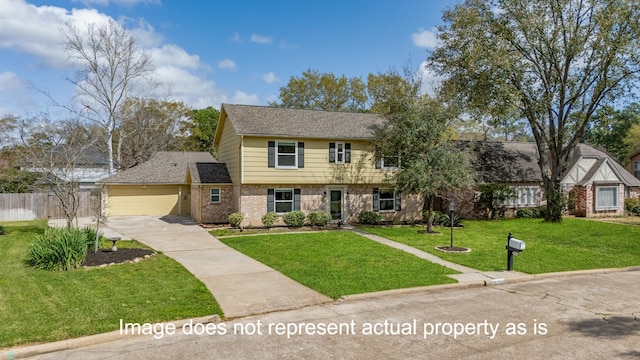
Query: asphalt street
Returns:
{"type": "Point", "coordinates": [593, 316]}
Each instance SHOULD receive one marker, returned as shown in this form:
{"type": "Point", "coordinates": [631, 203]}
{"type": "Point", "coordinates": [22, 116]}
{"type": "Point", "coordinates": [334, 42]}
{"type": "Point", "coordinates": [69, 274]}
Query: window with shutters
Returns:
{"type": "Point", "coordinates": [339, 152]}
{"type": "Point", "coordinates": [283, 200]}
{"type": "Point", "coordinates": [286, 154]}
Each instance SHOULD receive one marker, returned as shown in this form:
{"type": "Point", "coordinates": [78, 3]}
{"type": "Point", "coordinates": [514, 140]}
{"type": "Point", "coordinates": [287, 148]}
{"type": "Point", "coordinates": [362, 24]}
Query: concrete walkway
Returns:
{"type": "Point", "coordinates": [467, 274]}
{"type": "Point", "coordinates": [241, 285]}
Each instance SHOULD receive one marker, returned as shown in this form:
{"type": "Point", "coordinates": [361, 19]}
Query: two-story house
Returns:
{"type": "Point", "coordinates": [282, 159]}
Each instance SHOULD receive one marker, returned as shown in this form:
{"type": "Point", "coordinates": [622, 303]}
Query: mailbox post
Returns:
{"type": "Point", "coordinates": [514, 246]}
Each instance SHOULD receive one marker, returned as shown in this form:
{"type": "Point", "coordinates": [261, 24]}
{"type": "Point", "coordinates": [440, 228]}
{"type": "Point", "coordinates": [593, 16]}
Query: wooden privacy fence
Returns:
{"type": "Point", "coordinates": [32, 206]}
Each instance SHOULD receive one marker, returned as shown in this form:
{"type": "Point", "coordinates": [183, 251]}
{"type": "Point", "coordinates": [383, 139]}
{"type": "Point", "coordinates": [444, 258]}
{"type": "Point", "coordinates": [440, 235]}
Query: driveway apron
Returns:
{"type": "Point", "coordinates": [241, 285]}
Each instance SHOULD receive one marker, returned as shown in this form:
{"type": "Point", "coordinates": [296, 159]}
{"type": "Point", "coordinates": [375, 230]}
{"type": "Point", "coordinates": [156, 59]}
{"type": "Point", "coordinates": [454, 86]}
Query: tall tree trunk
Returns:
{"type": "Point", "coordinates": [429, 203]}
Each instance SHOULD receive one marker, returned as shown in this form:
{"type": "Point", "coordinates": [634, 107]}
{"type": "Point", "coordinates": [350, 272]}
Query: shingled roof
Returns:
{"type": "Point", "coordinates": [517, 162]}
{"type": "Point", "coordinates": [209, 173]}
{"type": "Point", "coordinates": [287, 122]}
{"type": "Point", "coordinates": [164, 167]}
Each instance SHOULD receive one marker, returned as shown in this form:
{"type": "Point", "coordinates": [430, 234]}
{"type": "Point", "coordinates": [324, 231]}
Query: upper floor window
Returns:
{"type": "Point", "coordinates": [636, 169]}
{"type": "Point", "coordinates": [389, 162]}
{"type": "Point", "coordinates": [339, 152]}
{"type": "Point", "coordinates": [286, 154]}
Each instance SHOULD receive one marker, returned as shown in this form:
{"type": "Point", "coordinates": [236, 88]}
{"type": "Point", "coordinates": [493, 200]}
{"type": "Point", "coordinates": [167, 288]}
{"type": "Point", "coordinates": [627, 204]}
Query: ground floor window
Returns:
{"type": "Point", "coordinates": [386, 200]}
{"type": "Point", "coordinates": [284, 200]}
{"type": "Point", "coordinates": [525, 196]}
{"type": "Point", "coordinates": [215, 195]}
{"type": "Point", "coordinates": [606, 198]}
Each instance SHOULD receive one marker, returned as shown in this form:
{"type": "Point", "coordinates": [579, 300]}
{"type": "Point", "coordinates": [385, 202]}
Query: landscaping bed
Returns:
{"type": "Point", "coordinates": [107, 257]}
{"type": "Point", "coordinates": [38, 305]}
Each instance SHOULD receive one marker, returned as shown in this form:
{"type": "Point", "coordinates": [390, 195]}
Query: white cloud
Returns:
{"type": "Point", "coordinates": [236, 37]}
{"type": "Point", "coordinates": [270, 77]}
{"type": "Point", "coordinates": [227, 64]}
{"type": "Point", "coordinates": [425, 38]}
{"type": "Point", "coordinates": [9, 81]}
{"type": "Point", "coordinates": [127, 3]}
{"type": "Point", "coordinates": [245, 99]}
{"type": "Point", "coordinates": [261, 39]}
{"type": "Point", "coordinates": [174, 55]}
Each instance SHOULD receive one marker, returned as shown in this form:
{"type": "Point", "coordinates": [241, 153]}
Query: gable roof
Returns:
{"type": "Point", "coordinates": [209, 173]}
{"type": "Point", "coordinates": [300, 123]}
{"type": "Point", "coordinates": [164, 167]}
{"type": "Point", "coordinates": [517, 162]}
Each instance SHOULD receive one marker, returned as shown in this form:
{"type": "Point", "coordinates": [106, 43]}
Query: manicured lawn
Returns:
{"type": "Point", "coordinates": [338, 263]}
{"type": "Point", "coordinates": [43, 306]}
{"type": "Point", "coordinates": [574, 244]}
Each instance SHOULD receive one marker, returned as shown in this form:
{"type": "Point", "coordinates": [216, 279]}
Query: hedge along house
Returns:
{"type": "Point", "coordinates": [282, 159]}
{"type": "Point", "coordinates": [162, 185]}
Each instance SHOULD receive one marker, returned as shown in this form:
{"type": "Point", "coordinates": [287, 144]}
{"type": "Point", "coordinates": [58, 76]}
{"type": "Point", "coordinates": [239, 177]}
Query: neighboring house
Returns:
{"type": "Point", "coordinates": [634, 164]}
{"type": "Point", "coordinates": [598, 183]}
{"type": "Point", "coordinates": [84, 166]}
{"type": "Point", "coordinates": [282, 159]}
{"type": "Point", "coordinates": [160, 186]}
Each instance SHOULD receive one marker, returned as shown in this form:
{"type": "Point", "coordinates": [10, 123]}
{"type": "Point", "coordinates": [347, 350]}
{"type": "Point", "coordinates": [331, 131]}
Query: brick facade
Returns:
{"type": "Point", "coordinates": [206, 212]}
{"type": "Point", "coordinates": [356, 198]}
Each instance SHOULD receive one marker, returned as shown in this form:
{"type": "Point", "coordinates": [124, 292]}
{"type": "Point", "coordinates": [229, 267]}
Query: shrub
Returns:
{"type": "Point", "coordinates": [1, 230]}
{"type": "Point", "coordinates": [269, 219]}
{"type": "Point", "coordinates": [319, 218]}
{"type": "Point", "coordinates": [531, 213]}
{"type": "Point", "coordinates": [632, 205]}
{"type": "Point", "coordinates": [235, 219]}
{"type": "Point", "coordinates": [493, 198]}
{"type": "Point", "coordinates": [445, 220]}
{"type": "Point", "coordinates": [294, 218]}
{"type": "Point", "coordinates": [90, 235]}
{"type": "Point", "coordinates": [58, 249]}
{"type": "Point", "coordinates": [369, 218]}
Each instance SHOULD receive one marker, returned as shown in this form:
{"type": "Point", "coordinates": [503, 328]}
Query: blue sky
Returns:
{"type": "Point", "coordinates": [232, 51]}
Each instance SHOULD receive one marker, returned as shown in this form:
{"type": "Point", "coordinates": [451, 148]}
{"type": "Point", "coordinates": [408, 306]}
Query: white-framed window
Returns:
{"type": "Point", "coordinates": [283, 200]}
{"type": "Point", "coordinates": [525, 196]}
{"type": "Point", "coordinates": [340, 154]}
{"type": "Point", "coordinates": [606, 197]}
{"type": "Point", "coordinates": [215, 195]}
{"type": "Point", "coordinates": [287, 154]}
{"type": "Point", "coordinates": [390, 162]}
{"type": "Point", "coordinates": [386, 200]}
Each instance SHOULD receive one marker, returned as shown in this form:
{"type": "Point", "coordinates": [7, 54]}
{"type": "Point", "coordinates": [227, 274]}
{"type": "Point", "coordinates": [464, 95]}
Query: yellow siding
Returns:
{"type": "Point", "coordinates": [149, 200]}
{"type": "Point", "coordinates": [229, 150]}
{"type": "Point", "coordinates": [317, 168]}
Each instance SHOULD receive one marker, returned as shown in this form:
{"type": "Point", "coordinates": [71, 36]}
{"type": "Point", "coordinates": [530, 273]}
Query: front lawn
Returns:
{"type": "Point", "coordinates": [574, 244]}
{"type": "Point", "coordinates": [337, 263]}
{"type": "Point", "coordinates": [43, 306]}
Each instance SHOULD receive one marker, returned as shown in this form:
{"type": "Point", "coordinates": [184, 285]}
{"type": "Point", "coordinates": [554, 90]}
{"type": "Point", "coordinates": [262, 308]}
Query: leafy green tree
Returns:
{"type": "Point", "coordinates": [325, 91]}
{"type": "Point", "coordinates": [610, 128]}
{"type": "Point", "coordinates": [416, 133]}
{"type": "Point", "coordinates": [198, 130]}
{"type": "Point", "coordinates": [493, 198]}
{"type": "Point", "coordinates": [632, 140]}
{"type": "Point", "coordinates": [556, 61]}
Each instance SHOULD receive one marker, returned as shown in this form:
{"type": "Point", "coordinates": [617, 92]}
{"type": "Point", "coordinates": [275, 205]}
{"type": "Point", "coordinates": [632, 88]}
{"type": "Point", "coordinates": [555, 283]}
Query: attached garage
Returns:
{"type": "Point", "coordinates": [147, 200]}
{"type": "Point", "coordinates": [157, 187]}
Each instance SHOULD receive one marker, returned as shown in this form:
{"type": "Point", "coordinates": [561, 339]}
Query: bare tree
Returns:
{"type": "Point", "coordinates": [147, 126]}
{"type": "Point", "coordinates": [54, 150]}
{"type": "Point", "coordinates": [112, 68]}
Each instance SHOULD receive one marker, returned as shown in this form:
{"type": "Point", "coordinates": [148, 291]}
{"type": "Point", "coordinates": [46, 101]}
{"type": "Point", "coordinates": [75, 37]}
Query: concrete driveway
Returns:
{"type": "Point", "coordinates": [241, 285]}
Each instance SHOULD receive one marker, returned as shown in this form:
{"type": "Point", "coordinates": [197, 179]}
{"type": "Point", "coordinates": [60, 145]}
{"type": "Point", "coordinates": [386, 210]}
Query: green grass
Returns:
{"type": "Point", "coordinates": [43, 306]}
{"type": "Point", "coordinates": [337, 263]}
{"type": "Point", "coordinates": [574, 244]}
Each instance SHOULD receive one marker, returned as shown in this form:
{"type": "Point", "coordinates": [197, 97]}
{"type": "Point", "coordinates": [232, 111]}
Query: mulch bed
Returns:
{"type": "Point", "coordinates": [106, 257]}
{"type": "Point", "coordinates": [453, 249]}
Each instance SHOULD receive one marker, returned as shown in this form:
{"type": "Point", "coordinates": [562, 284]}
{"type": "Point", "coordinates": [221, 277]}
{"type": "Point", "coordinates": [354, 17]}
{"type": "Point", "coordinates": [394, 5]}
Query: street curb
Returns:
{"type": "Point", "coordinates": [41, 349]}
{"type": "Point", "coordinates": [482, 283]}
